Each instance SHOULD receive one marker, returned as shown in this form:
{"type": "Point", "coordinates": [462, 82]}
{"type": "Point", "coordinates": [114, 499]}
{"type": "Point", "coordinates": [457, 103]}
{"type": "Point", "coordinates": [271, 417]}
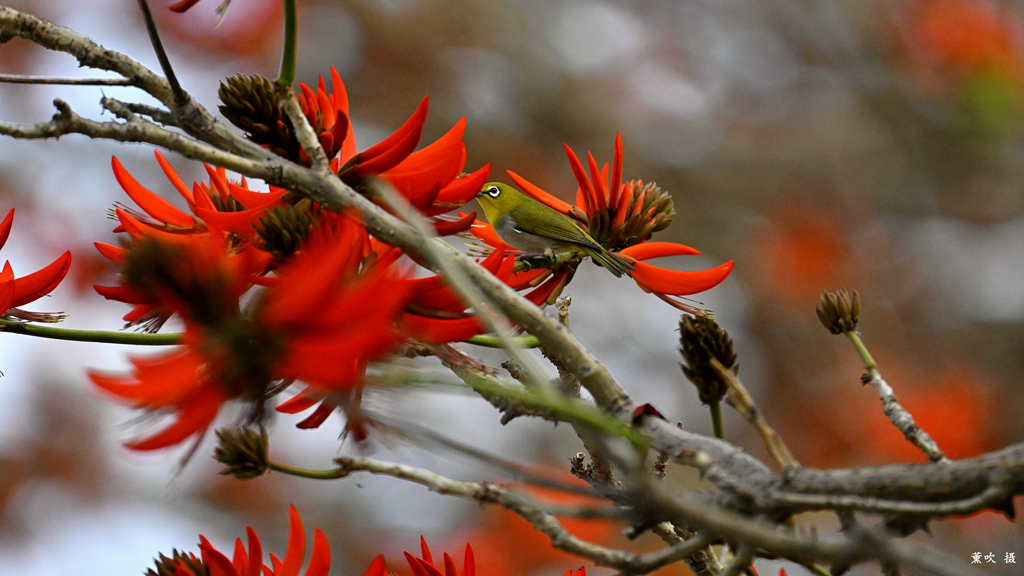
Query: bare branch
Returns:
{"type": "Point", "coordinates": [22, 79]}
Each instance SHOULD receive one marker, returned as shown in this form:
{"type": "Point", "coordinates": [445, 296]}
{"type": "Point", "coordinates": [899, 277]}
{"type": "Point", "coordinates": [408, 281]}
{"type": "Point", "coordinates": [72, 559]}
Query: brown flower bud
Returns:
{"type": "Point", "coordinates": [282, 229]}
{"type": "Point", "coordinates": [839, 311]}
{"type": "Point", "coordinates": [250, 103]}
{"type": "Point", "coordinates": [178, 564]}
{"type": "Point", "coordinates": [243, 451]}
{"type": "Point", "coordinates": [700, 340]}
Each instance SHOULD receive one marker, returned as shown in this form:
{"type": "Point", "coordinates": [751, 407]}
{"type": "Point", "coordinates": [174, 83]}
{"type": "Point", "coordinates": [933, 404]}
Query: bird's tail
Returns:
{"type": "Point", "coordinates": [613, 263]}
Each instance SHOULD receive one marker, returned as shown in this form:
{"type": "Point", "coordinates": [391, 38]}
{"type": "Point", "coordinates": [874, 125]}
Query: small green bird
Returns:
{"type": "Point", "coordinates": [528, 225]}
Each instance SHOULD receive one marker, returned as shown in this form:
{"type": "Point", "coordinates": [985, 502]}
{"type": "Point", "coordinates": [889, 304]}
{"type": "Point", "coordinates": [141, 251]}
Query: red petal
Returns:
{"type": "Point", "coordinates": [451, 227]}
{"type": "Point", "coordinates": [679, 283]}
{"type": "Point", "coordinates": [595, 178]}
{"type": "Point", "coordinates": [449, 566]}
{"type": "Point", "coordinates": [182, 6]}
{"type": "Point", "coordinates": [396, 147]}
{"type": "Point", "coordinates": [194, 417]}
{"type": "Point", "coordinates": [298, 403]}
{"type": "Point", "coordinates": [648, 250]}
{"type": "Point", "coordinates": [236, 222]}
{"type": "Point", "coordinates": [376, 567]}
{"type": "Point", "coordinates": [540, 195]}
{"type": "Point", "coordinates": [425, 551]}
{"type": "Point", "coordinates": [616, 182]}
{"type": "Point", "coordinates": [152, 204]}
{"type": "Point", "coordinates": [589, 197]}
{"type": "Point", "coordinates": [464, 189]}
{"type": "Point", "coordinates": [176, 180]}
{"type": "Point", "coordinates": [439, 330]}
{"type": "Point", "coordinates": [6, 287]}
{"type": "Point", "coordinates": [121, 294]}
{"type": "Point", "coordinates": [114, 253]}
{"type": "Point", "coordinates": [42, 282]}
{"type": "Point", "coordinates": [253, 199]}
{"type": "Point", "coordinates": [314, 420]}
{"type": "Point", "coordinates": [5, 227]}
{"type": "Point", "coordinates": [485, 233]}
{"type": "Point", "coordinates": [215, 561]}
{"type": "Point", "coordinates": [469, 562]}
{"type": "Point", "coordinates": [320, 558]}
{"type": "Point", "coordinates": [432, 167]}
{"type": "Point", "coordinates": [296, 550]}
{"type": "Point", "coordinates": [165, 380]}
{"type": "Point", "coordinates": [255, 554]}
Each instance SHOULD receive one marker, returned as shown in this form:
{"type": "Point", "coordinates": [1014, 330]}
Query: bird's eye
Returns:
{"type": "Point", "coordinates": [493, 191]}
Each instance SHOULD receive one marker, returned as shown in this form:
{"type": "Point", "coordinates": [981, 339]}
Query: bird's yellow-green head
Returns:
{"type": "Point", "coordinates": [498, 200]}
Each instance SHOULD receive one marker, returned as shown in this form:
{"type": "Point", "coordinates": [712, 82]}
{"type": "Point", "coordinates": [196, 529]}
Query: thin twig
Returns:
{"type": "Point", "coordinates": [23, 79]}
{"type": "Point", "coordinates": [531, 511]}
{"type": "Point", "coordinates": [741, 400]}
{"type": "Point", "coordinates": [898, 415]}
{"type": "Point", "coordinates": [180, 96]}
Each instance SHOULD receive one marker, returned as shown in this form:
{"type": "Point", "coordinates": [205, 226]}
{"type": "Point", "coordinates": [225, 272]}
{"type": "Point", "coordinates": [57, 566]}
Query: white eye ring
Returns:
{"type": "Point", "coordinates": [493, 191]}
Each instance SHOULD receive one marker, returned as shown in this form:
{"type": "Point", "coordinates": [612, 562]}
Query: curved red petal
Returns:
{"type": "Point", "coordinates": [298, 403]}
{"type": "Point", "coordinates": [463, 189]}
{"type": "Point", "coordinates": [396, 147]}
{"type": "Point", "coordinates": [160, 381]}
{"type": "Point", "coordinates": [678, 283]}
{"type": "Point", "coordinates": [296, 550]}
{"type": "Point", "coordinates": [252, 198]}
{"type": "Point", "coordinates": [176, 180]}
{"type": "Point", "coordinates": [439, 330]}
{"type": "Point", "coordinates": [236, 222]}
{"type": "Point", "coordinates": [425, 550]}
{"type": "Point", "coordinates": [469, 562]}
{"type": "Point", "coordinates": [115, 253]}
{"type": "Point", "coordinates": [484, 232]}
{"type": "Point", "coordinates": [598, 182]}
{"type": "Point", "coordinates": [615, 188]}
{"type": "Point", "coordinates": [215, 561]}
{"type": "Point", "coordinates": [432, 167]}
{"type": "Point", "coordinates": [255, 554]}
{"type": "Point", "coordinates": [42, 282]}
{"type": "Point", "coordinates": [586, 188]}
{"type": "Point", "coordinates": [538, 194]}
{"type": "Point", "coordinates": [5, 227]}
{"type": "Point", "coordinates": [182, 6]}
{"type": "Point", "coordinates": [449, 566]}
{"type": "Point", "coordinates": [194, 417]}
{"type": "Point", "coordinates": [376, 567]}
{"type": "Point", "coordinates": [6, 287]}
{"type": "Point", "coordinates": [320, 557]}
{"type": "Point", "coordinates": [648, 250]}
{"type": "Point", "coordinates": [150, 202]}
{"type": "Point", "coordinates": [314, 420]}
{"type": "Point", "coordinates": [451, 227]}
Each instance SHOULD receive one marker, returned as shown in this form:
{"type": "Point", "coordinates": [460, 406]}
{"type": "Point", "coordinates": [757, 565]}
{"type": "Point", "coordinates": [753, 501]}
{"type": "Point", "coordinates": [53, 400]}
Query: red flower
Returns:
{"type": "Point", "coordinates": [16, 292]}
{"type": "Point", "coordinates": [250, 563]}
{"type": "Point", "coordinates": [622, 217]}
{"type": "Point", "coordinates": [429, 178]}
{"type": "Point", "coordinates": [221, 208]}
{"type": "Point", "coordinates": [325, 316]}
{"type": "Point", "coordinates": [424, 565]}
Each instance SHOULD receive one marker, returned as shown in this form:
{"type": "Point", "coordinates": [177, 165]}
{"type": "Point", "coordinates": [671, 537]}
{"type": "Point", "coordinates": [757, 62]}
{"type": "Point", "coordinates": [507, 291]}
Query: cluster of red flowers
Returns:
{"type": "Point", "coordinates": [250, 563]}
{"type": "Point", "coordinates": [274, 289]}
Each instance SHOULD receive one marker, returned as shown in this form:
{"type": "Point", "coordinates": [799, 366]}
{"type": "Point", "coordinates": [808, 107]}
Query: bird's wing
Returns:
{"type": "Point", "coordinates": [563, 230]}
